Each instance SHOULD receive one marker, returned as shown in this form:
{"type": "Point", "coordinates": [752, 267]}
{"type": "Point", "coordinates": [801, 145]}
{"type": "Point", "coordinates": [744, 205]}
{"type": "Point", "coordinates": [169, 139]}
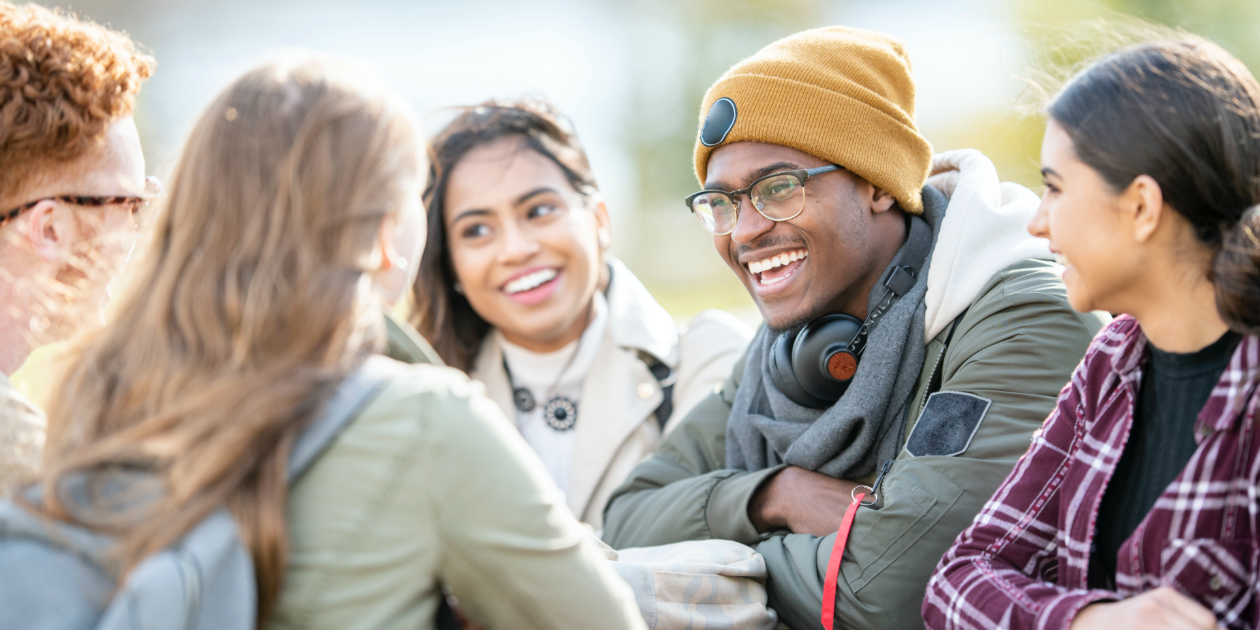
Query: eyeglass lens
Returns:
{"type": "Point", "coordinates": [777, 198]}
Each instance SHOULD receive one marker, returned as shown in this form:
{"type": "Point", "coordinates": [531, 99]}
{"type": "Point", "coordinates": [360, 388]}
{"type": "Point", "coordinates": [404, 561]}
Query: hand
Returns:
{"type": "Point", "coordinates": [1160, 609]}
{"type": "Point", "coordinates": [801, 501]}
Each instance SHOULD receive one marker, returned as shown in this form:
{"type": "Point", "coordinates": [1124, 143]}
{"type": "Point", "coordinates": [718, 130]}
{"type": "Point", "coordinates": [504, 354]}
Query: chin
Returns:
{"type": "Point", "coordinates": [1079, 299]}
{"type": "Point", "coordinates": [781, 322]}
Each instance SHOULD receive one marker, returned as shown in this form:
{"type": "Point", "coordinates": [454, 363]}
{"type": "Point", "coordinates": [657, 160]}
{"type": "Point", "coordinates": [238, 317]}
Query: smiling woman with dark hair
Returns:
{"type": "Point", "coordinates": [1136, 505]}
{"type": "Point", "coordinates": [516, 288]}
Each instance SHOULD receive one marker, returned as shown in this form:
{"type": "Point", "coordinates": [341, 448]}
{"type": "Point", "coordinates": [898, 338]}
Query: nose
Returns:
{"type": "Point", "coordinates": [1039, 225]}
{"type": "Point", "coordinates": [749, 225]}
{"type": "Point", "coordinates": [518, 245]}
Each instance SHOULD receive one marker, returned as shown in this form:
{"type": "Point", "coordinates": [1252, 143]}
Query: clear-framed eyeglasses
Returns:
{"type": "Point", "coordinates": [777, 196]}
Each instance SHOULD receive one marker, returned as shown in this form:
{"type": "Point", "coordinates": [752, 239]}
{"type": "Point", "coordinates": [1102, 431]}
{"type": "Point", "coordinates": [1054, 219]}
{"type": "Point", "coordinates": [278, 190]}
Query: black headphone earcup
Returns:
{"type": "Point", "coordinates": [814, 346]}
{"type": "Point", "coordinates": [784, 376]}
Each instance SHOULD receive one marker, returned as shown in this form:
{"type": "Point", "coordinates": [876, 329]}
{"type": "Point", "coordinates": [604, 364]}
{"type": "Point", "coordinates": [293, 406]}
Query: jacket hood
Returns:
{"type": "Point", "coordinates": [983, 232]}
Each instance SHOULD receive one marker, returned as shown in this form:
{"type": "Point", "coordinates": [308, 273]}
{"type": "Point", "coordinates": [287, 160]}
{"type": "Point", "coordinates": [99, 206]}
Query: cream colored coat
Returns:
{"type": "Point", "coordinates": [617, 426]}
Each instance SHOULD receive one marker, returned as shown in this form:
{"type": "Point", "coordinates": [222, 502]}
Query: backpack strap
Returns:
{"type": "Point", "coordinates": [352, 396]}
{"type": "Point", "coordinates": [666, 378]}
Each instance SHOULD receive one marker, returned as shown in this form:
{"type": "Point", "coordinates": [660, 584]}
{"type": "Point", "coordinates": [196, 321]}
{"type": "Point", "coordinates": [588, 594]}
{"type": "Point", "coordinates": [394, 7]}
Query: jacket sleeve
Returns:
{"type": "Point", "coordinates": [512, 553]}
{"type": "Point", "coordinates": [684, 491]}
{"type": "Point", "coordinates": [1016, 351]}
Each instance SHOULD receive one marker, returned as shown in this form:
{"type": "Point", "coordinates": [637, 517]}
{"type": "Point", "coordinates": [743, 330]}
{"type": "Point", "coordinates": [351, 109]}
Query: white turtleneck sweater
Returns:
{"type": "Point", "coordinates": [538, 372]}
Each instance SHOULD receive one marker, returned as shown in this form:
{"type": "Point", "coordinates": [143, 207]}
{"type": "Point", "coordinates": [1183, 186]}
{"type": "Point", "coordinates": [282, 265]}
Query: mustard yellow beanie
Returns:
{"type": "Point", "coordinates": [841, 94]}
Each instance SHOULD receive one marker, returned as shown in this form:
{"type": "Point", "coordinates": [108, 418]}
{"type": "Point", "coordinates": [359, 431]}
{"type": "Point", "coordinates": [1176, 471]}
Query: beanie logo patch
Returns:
{"type": "Point", "coordinates": [718, 122]}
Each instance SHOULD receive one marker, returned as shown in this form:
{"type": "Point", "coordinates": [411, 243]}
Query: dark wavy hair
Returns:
{"type": "Point", "coordinates": [441, 314]}
{"type": "Point", "coordinates": [1186, 113]}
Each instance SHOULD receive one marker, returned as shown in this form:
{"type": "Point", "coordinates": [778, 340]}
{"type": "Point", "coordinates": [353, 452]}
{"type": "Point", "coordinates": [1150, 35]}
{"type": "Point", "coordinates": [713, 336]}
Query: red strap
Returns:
{"type": "Point", "coordinates": [833, 565]}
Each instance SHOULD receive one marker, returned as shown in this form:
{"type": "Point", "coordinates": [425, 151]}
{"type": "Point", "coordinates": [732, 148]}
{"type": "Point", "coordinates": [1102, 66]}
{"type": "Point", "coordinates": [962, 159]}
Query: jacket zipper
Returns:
{"type": "Point", "coordinates": [192, 587]}
{"type": "Point", "coordinates": [931, 379]}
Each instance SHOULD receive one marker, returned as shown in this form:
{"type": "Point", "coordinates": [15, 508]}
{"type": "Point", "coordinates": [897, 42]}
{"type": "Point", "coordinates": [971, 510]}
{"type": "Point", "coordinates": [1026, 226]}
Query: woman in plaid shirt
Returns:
{"type": "Point", "coordinates": [1137, 505]}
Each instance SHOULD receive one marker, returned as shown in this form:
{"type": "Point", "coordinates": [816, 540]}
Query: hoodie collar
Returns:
{"type": "Point", "coordinates": [983, 232]}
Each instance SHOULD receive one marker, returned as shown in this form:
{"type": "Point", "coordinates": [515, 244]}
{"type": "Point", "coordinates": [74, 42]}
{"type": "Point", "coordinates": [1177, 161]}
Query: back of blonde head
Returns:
{"type": "Point", "coordinates": [254, 300]}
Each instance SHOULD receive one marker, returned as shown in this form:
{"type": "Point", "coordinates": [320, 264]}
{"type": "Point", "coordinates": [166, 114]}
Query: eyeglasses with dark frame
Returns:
{"type": "Point", "coordinates": [152, 190]}
{"type": "Point", "coordinates": [774, 196]}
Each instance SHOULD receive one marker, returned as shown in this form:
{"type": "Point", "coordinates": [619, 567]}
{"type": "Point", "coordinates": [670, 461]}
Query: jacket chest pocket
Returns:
{"type": "Point", "coordinates": [1216, 573]}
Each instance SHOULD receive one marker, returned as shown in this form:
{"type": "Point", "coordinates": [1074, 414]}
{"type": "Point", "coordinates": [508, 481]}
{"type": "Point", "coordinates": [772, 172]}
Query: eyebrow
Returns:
{"type": "Point", "coordinates": [470, 213]}
{"type": "Point", "coordinates": [535, 192]}
{"type": "Point", "coordinates": [1047, 171]}
{"type": "Point", "coordinates": [761, 172]}
{"type": "Point", "coordinates": [519, 200]}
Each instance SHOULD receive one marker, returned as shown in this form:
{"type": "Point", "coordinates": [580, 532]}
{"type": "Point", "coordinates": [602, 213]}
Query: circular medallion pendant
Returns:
{"type": "Point", "coordinates": [523, 399]}
{"type": "Point", "coordinates": [560, 413]}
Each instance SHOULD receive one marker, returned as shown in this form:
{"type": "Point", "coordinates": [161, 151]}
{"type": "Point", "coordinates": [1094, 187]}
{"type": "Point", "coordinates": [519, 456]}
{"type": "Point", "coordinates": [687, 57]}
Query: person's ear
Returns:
{"type": "Point", "coordinates": [881, 200]}
{"type": "Point", "coordinates": [1143, 202]}
{"type": "Point", "coordinates": [45, 230]}
{"type": "Point", "coordinates": [603, 226]}
{"type": "Point", "coordinates": [391, 267]}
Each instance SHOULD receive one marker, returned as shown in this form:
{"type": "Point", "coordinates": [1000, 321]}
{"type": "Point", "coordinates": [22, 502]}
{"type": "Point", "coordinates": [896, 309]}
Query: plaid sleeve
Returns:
{"type": "Point", "coordinates": [1000, 571]}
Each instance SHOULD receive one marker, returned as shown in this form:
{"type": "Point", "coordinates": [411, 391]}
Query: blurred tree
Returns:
{"type": "Point", "coordinates": [1064, 36]}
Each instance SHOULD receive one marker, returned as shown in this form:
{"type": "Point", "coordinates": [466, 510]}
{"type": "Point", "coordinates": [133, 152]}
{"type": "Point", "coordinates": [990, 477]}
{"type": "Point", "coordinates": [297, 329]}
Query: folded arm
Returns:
{"type": "Point", "coordinates": [1014, 352]}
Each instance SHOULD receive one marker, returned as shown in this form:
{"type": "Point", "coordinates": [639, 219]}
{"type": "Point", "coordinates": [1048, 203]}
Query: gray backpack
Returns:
{"type": "Point", "coordinates": [55, 576]}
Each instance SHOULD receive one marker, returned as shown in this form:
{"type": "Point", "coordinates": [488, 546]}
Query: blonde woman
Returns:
{"type": "Point", "coordinates": [294, 210]}
{"type": "Point", "coordinates": [517, 290]}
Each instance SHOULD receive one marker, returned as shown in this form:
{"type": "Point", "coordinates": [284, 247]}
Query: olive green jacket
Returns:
{"type": "Point", "coordinates": [1016, 345]}
{"type": "Point", "coordinates": [430, 488]}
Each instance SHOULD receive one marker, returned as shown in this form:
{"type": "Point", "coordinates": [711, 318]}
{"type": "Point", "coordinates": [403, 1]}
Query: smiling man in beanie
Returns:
{"type": "Point", "coordinates": [916, 335]}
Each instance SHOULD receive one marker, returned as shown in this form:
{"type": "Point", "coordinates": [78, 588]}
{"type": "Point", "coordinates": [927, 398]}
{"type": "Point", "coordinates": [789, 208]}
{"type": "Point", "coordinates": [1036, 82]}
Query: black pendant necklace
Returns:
{"type": "Point", "coordinates": [522, 398]}
{"type": "Point", "coordinates": [560, 412]}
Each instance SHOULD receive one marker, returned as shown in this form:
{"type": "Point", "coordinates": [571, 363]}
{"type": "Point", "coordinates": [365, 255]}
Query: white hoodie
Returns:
{"type": "Point", "coordinates": [984, 232]}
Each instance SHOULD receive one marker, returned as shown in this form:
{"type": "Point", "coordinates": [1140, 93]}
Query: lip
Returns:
{"type": "Point", "coordinates": [537, 294]}
{"type": "Point", "coordinates": [1062, 260]}
{"type": "Point", "coordinates": [792, 269]}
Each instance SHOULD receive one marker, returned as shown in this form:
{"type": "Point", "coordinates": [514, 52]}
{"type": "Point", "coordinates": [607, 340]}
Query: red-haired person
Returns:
{"type": "Point", "coordinates": [72, 181]}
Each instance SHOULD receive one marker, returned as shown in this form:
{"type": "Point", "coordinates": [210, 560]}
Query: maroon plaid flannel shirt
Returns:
{"type": "Point", "coordinates": [1024, 561]}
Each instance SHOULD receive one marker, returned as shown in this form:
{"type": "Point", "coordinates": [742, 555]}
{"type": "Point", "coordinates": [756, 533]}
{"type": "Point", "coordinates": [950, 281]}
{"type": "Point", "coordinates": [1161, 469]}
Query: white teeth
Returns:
{"type": "Point", "coordinates": [530, 281]}
{"type": "Point", "coordinates": [777, 261]}
{"type": "Point", "coordinates": [1062, 260]}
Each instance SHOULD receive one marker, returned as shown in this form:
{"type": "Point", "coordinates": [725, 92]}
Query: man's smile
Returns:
{"type": "Point", "coordinates": [771, 273]}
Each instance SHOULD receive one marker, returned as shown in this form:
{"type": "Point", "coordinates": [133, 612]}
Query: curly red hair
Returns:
{"type": "Point", "coordinates": [63, 82]}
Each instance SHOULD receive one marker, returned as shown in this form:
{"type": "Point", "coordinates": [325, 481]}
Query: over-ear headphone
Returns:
{"type": "Point", "coordinates": [815, 366]}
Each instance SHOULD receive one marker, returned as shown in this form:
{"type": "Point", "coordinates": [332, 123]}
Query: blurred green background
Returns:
{"type": "Point", "coordinates": [631, 74]}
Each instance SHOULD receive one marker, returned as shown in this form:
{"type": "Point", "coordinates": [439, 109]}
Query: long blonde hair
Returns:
{"type": "Point", "coordinates": [255, 299]}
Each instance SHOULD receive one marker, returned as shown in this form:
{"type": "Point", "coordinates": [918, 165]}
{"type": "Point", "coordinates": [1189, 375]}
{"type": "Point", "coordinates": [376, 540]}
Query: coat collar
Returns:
{"type": "Point", "coordinates": [611, 407]}
{"type": "Point", "coordinates": [1233, 392]}
{"type": "Point", "coordinates": [635, 320]}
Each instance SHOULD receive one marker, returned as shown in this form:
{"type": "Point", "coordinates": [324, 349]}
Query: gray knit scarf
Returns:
{"type": "Point", "coordinates": [850, 438]}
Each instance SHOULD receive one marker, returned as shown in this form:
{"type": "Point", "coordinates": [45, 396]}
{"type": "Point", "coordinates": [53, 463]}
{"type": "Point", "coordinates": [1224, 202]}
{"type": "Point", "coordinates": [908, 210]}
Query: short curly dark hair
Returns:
{"type": "Point", "coordinates": [63, 82]}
